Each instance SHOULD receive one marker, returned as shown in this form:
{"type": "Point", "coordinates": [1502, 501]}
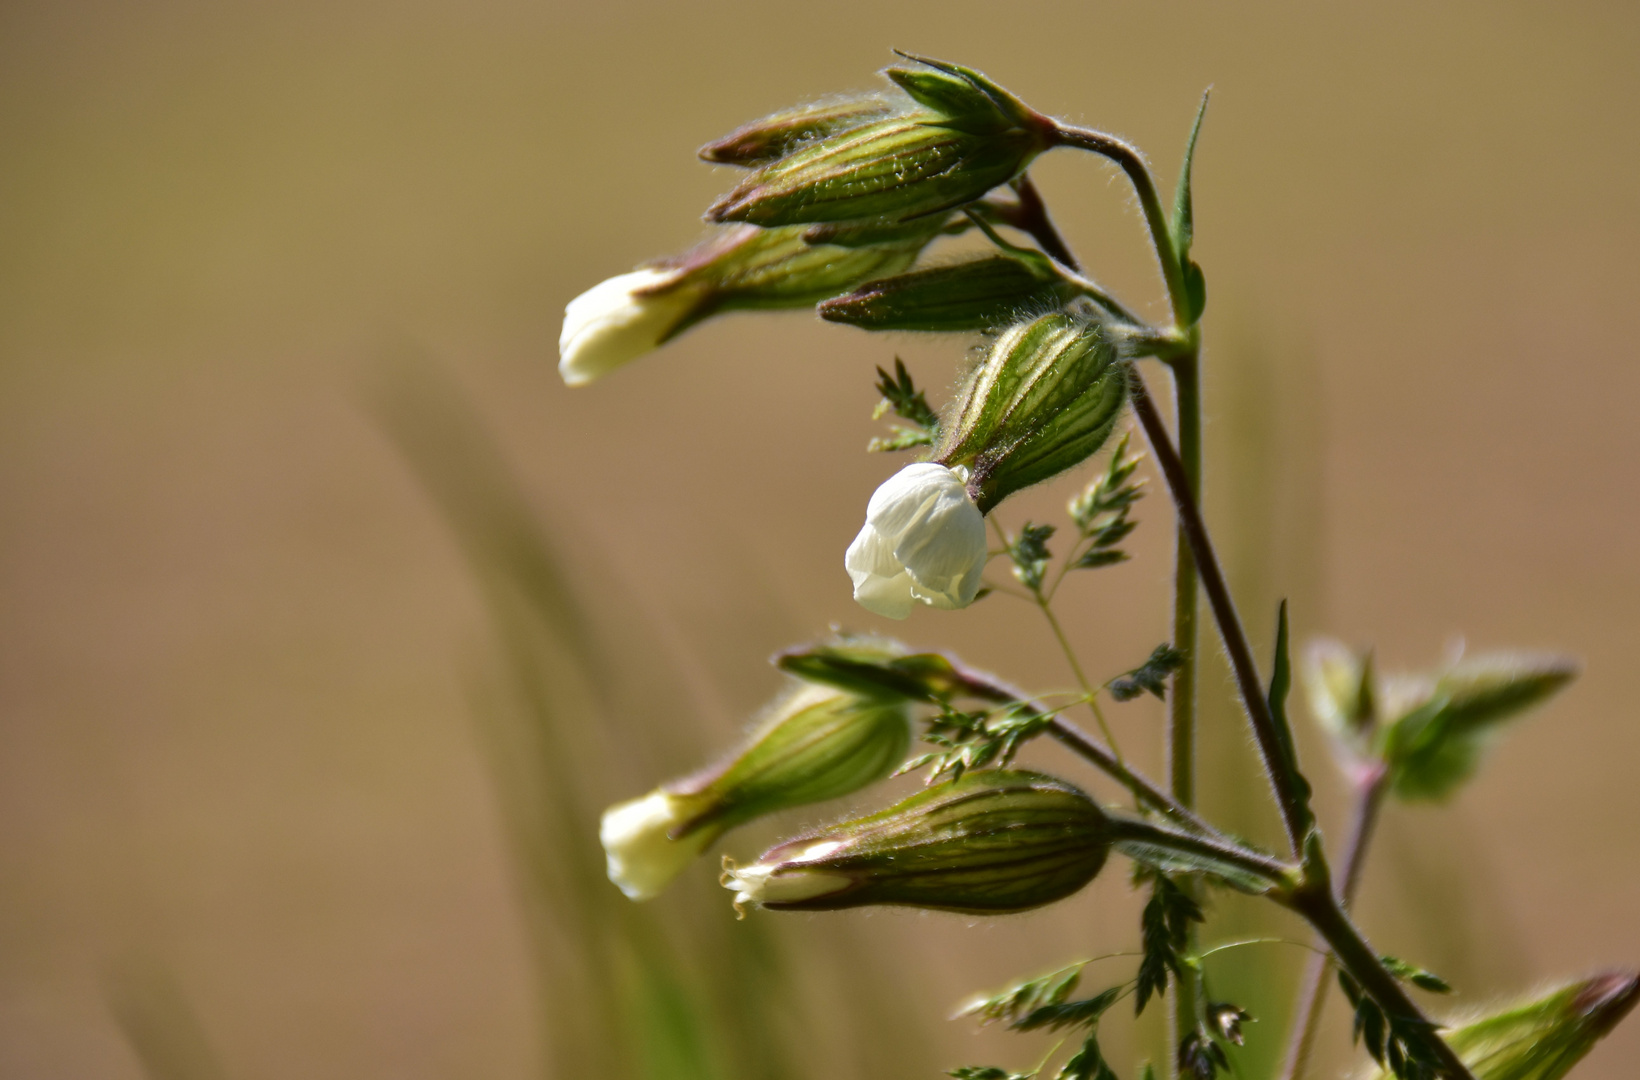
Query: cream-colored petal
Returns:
{"type": "Point", "coordinates": [881, 584]}
{"type": "Point", "coordinates": [610, 325]}
{"type": "Point", "coordinates": [776, 883]}
{"type": "Point", "coordinates": [642, 859]}
{"type": "Point", "coordinates": [924, 539]}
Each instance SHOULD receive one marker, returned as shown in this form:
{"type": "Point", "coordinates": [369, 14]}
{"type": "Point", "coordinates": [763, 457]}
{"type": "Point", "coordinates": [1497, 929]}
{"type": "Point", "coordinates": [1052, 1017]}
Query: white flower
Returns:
{"type": "Point", "coordinates": [611, 323]}
{"type": "Point", "coordinates": [642, 858]}
{"type": "Point", "coordinates": [924, 539]}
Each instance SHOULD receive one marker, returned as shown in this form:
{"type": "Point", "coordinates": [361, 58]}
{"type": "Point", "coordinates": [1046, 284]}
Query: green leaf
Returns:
{"type": "Point", "coordinates": [902, 395]}
{"type": "Point", "coordinates": [1281, 680]}
{"type": "Point", "coordinates": [1093, 559]}
{"type": "Point", "coordinates": [1149, 676]}
{"type": "Point", "coordinates": [1184, 225]}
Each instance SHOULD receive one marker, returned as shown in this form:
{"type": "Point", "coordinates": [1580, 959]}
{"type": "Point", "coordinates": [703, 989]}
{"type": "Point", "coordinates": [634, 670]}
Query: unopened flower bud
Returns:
{"type": "Point", "coordinates": [924, 539]}
{"type": "Point", "coordinates": [773, 137]}
{"type": "Point", "coordinates": [1043, 400]}
{"type": "Point", "coordinates": [978, 294]}
{"type": "Point", "coordinates": [875, 667]}
{"type": "Point", "coordinates": [964, 136]}
{"type": "Point", "coordinates": [992, 841]}
{"type": "Point", "coordinates": [1545, 1038]}
{"type": "Point", "coordinates": [1440, 727]}
{"type": "Point", "coordinates": [817, 743]}
{"type": "Point", "coordinates": [1340, 686]}
{"type": "Point", "coordinates": [740, 268]}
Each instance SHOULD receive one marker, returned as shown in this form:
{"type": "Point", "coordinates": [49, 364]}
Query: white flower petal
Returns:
{"type": "Point", "coordinates": [642, 859]}
{"type": "Point", "coordinates": [609, 325]}
{"type": "Point", "coordinates": [924, 539]}
{"type": "Point", "coordinates": [881, 584]}
{"type": "Point", "coordinates": [776, 883]}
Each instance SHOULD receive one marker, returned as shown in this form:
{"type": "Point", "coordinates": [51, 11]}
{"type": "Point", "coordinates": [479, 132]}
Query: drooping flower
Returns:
{"type": "Point", "coordinates": [924, 539]}
{"type": "Point", "coordinates": [817, 743]}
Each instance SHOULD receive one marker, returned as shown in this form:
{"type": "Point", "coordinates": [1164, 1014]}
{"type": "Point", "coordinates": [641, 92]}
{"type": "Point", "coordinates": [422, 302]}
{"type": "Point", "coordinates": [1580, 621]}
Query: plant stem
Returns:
{"type": "Point", "coordinates": [1317, 904]}
{"type": "Point", "coordinates": [1248, 682]}
{"type": "Point", "coordinates": [1030, 215]}
{"type": "Point", "coordinates": [1277, 873]}
{"type": "Point", "coordinates": [1144, 789]}
{"type": "Point", "coordinates": [1181, 720]}
{"type": "Point", "coordinates": [1312, 995]}
{"type": "Point", "coordinates": [1181, 741]}
{"type": "Point", "coordinates": [984, 687]}
{"type": "Point", "coordinates": [1088, 688]}
{"type": "Point", "coordinates": [1133, 164]}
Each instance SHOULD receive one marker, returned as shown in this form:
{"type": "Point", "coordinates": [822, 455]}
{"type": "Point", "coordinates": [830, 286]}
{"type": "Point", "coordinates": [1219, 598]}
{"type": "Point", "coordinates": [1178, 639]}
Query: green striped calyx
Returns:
{"type": "Point", "coordinates": [959, 136]}
{"type": "Point", "coordinates": [977, 294]}
{"type": "Point", "coordinates": [992, 841]}
{"type": "Point", "coordinates": [773, 137]}
{"type": "Point", "coordinates": [1044, 399]}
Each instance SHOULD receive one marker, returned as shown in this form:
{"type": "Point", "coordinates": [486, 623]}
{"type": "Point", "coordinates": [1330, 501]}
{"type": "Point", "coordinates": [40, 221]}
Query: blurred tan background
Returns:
{"type": "Point", "coordinates": [250, 255]}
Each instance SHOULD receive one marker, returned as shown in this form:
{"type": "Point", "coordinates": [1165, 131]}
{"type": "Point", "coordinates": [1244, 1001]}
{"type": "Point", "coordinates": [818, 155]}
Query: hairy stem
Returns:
{"type": "Point", "coordinates": [1181, 740]}
{"type": "Point", "coordinates": [1248, 682]}
{"type": "Point", "coordinates": [1312, 995]}
{"type": "Point", "coordinates": [1273, 871]}
{"type": "Point", "coordinates": [1133, 164]}
{"type": "Point", "coordinates": [1322, 910]}
{"type": "Point", "coordinates": [1181, 720]}
{"type": "Point", "coordinates": [985, 687]}
{"type": "Point", "coordinates": [1144, 790]}
{"type": "Point", "coordinates": [1030, 215]}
